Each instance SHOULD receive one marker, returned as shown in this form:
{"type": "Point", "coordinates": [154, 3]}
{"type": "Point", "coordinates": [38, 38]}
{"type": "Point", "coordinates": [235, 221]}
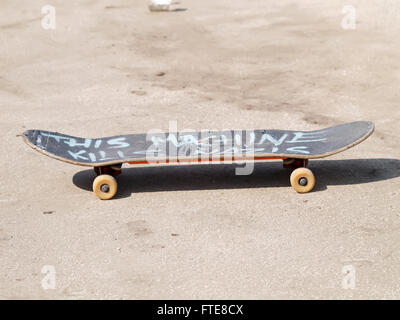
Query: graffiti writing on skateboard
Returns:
{"type": "Point", "coordinates": [203, 144]}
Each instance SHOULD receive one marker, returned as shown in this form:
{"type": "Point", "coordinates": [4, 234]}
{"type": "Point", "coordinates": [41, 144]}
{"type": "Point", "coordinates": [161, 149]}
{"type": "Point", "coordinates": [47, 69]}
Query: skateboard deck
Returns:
{"type": "Point", "coordinates": [200, 146]}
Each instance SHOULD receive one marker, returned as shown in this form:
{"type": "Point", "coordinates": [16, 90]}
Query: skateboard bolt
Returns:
{"type": "Point", "coordinates": [104, 188]}
{"type": "Point", "coordinates": [303, 181]}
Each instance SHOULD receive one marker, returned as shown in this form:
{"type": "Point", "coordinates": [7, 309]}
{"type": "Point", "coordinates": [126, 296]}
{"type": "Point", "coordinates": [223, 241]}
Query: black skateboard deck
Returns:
{"type": "Point", "coordinates": [201, 146]}
{"type": "Point", "coordinates": [161, 147]}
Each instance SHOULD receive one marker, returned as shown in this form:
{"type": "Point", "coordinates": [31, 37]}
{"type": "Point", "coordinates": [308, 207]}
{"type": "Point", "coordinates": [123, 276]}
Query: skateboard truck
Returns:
{"type": "Point", "coordinates": [291, 163]}
{"type": "Point", "coordinates": [111, 170]}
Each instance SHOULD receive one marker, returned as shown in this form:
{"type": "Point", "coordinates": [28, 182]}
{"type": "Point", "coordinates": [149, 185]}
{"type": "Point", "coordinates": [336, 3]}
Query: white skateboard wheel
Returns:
{"type": "Point", "coordinates": [105, 186]}
{"type": "Point", "coordinates": [302, 180]}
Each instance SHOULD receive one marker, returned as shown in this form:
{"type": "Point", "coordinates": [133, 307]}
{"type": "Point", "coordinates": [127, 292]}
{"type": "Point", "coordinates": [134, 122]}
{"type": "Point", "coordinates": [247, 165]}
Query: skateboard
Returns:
{"type": "Point", "coordinates": [106, 155]}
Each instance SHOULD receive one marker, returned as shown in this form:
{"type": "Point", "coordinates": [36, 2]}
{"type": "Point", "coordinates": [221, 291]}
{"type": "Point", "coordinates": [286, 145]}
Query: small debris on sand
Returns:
{"type": "Point", "coordinates": [139, 92]}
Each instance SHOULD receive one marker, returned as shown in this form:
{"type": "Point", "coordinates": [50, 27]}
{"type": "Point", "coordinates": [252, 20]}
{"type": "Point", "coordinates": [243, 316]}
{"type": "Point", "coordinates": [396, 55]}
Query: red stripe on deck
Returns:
{"type": "Point", "coordinates": [209, 160]}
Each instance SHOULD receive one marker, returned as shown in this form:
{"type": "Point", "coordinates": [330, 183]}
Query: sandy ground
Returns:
{"type": "Point", "coordinates": [190, 232]}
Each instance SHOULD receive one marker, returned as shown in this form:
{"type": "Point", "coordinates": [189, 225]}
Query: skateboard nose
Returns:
{"type": "Point", "coordinates": [31, 135]}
